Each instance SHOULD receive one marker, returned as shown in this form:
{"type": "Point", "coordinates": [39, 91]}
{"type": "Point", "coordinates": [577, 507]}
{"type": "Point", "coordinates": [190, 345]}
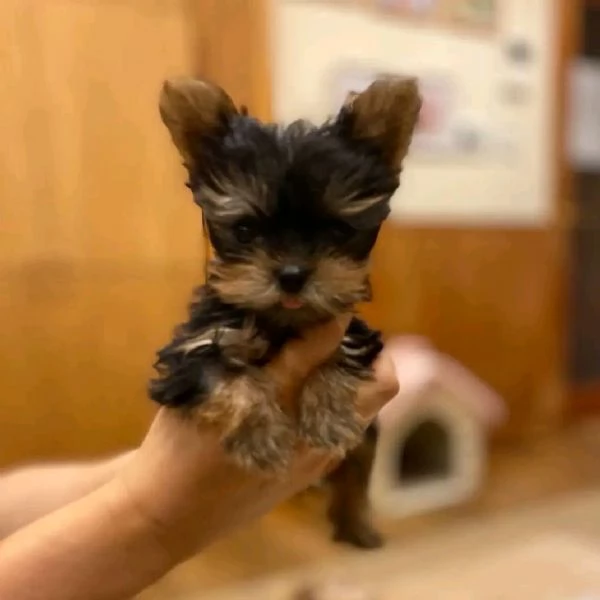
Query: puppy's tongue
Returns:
{"type": "Point", "coordinates": [292, 303]}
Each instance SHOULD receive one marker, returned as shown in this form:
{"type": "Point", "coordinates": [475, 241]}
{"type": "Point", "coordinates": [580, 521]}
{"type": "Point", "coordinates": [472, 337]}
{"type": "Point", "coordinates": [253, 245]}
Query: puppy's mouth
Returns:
{"type": "Point", "coordinates": [292, 302]}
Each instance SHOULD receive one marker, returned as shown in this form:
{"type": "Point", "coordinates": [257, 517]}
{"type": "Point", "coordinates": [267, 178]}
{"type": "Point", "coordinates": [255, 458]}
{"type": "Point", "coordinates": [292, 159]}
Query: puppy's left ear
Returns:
{"type": "Point", "coordinates": [194, 111]}
{"type": "Point", "coordinates": [384, 115]}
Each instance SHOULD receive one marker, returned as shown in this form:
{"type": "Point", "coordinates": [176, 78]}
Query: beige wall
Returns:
{"type": "Point", "coordinates": [509, 182]}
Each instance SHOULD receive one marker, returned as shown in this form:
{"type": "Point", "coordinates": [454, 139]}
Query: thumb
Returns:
{"type": "Point", "coordinates": [299, 357]}
{"type": "Point", "coordinates": [375, 393]}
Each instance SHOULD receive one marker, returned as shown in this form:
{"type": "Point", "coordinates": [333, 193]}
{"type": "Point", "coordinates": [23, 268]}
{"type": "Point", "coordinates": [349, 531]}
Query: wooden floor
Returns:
{"type": "Point", "coordinates": [548, 550]}
{"type": "Point", "coordinates": [297, 534]}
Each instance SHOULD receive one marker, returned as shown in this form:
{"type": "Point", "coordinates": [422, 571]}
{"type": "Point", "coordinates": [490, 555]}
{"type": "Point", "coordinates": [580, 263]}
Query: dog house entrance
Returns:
{"type": "Point", "coordinates": [425, 453]}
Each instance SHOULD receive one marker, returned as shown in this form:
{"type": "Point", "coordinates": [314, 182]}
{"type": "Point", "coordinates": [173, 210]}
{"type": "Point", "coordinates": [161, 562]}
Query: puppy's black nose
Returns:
{"type": "Point", "coordinates": [292, 278]}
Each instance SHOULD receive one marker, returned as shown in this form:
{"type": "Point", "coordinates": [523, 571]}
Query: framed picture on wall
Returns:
{"type": "Point", "coordinates": [474, 14]}
{"type": "Point", "coordinates": [463, 15]}
{"type": "Point", "coordinates": [409, 6]}
{"type": "Point", "coordinates": [583, 126]}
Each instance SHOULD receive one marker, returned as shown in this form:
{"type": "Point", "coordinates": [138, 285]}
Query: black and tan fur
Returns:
{"type": "Point", "coordinates": [292, 214]}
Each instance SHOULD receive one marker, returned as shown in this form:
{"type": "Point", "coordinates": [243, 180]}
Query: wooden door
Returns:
{"type": "Point", "coordinates": [100, 244]}
{"type": "Point", "coordinates": [584, 324]}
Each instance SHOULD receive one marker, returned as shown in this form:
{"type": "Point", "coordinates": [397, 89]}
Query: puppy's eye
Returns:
{"type": "Point", "coordinates": [245, 232]}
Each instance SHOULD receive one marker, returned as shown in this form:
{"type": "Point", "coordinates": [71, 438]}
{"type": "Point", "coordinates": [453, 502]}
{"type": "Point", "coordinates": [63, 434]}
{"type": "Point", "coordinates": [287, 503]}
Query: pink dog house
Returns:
{"type": "Point", "coordinates": [432, 449]}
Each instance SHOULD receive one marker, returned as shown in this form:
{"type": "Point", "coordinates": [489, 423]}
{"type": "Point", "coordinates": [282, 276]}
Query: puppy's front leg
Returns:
{"type": "Point", "coordinates": [349, 509]}
{"type": "Point", "coordinates": [255, 431]}
{"type": "Point", "coordinates": [328, 416]}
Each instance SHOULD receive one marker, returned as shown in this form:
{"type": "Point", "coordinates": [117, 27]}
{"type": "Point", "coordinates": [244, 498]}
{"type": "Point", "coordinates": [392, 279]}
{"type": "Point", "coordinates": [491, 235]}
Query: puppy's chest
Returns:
{"type": "Point", "coordinates": [251, 344]}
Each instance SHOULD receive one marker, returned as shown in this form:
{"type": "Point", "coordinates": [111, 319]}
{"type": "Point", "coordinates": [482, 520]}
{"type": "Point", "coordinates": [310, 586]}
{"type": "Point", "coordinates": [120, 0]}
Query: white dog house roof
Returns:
{"type": "Point", "coordinates": [419, 365]}
{"type": "Point", "coordinates": [431, 450]}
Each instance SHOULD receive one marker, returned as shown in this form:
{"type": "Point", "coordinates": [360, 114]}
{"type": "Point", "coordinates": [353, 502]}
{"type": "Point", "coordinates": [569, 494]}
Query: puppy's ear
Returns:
{"type": "Point", "coordinates": [194, 111]}
{"type": "Point", "coordinates": [384, 115]}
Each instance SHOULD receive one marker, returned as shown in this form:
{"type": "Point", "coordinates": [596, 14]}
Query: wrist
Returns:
{"type": "Point", "coordinates": [171, 479]}
{"type": "Point", "coordinates": [131, 509]}
{"type": "Point", "coordinates": [183, 485]}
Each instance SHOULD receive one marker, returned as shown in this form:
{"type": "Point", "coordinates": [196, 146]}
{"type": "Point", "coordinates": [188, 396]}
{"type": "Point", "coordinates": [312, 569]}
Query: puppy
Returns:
{"type": "Point", "coordinates": [292, 214]}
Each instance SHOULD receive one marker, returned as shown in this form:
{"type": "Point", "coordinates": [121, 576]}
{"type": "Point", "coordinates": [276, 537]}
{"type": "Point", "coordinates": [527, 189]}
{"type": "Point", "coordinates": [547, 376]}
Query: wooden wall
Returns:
{"type": "Point", "coordinates": [584, 307]}
{"type": "Point", "coordinates": [99, 242]}
{"type": "Point", "coordinates": [488, 297]}
{"type": "Point", "coordinates": [235, 50]}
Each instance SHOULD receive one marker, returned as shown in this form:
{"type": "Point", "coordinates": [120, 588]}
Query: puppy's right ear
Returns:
{"type": "Point", "coordinates": [384, 115]}
{"type": "Point", "coordinates": [194, 111]}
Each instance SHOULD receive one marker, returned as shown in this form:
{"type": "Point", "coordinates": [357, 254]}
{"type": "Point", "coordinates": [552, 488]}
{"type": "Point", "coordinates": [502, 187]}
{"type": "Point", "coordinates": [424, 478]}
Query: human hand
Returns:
{"type": "Point", "coordinates": [182, 482]}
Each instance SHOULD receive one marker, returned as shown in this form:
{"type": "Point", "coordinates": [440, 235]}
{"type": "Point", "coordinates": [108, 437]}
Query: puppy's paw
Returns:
{"type": "Point", "coordinates": [255, 432]}
{"type": "Point", "coordinates": [328, 418]}
{"type": "Point", "coordinates": [361, 535]}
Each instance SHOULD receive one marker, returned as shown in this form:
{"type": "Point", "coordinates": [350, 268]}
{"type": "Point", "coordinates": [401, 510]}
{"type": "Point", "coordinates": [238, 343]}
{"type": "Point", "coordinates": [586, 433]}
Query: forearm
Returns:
{"type": "Point", "coordinates": [28, 493]}
{"type": "Point", "coordinates": [98, 548]}
{"type": "Point", "coordinates": [119, 539]}
{"type": "Point", "coordinates": [175, 496]}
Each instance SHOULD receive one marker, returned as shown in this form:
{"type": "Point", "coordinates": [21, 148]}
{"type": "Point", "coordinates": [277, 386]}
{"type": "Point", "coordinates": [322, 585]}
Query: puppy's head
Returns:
{"type": "Point", "coordinates": [293, 212]}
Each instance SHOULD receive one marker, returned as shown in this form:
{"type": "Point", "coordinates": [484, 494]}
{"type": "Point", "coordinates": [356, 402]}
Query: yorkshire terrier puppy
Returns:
{"type": "Point", "coordinates": [292, 214]}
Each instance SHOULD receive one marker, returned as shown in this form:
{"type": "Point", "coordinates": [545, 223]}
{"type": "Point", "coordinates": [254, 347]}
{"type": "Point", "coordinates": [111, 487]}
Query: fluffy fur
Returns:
{"type": "Point", "coordinates": [292, 214]}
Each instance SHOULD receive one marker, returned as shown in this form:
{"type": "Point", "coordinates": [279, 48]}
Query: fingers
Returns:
{"type": "Point", "coordinates": [375, 394]}
{"type": "Point", "coordinates": [299, 357]}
